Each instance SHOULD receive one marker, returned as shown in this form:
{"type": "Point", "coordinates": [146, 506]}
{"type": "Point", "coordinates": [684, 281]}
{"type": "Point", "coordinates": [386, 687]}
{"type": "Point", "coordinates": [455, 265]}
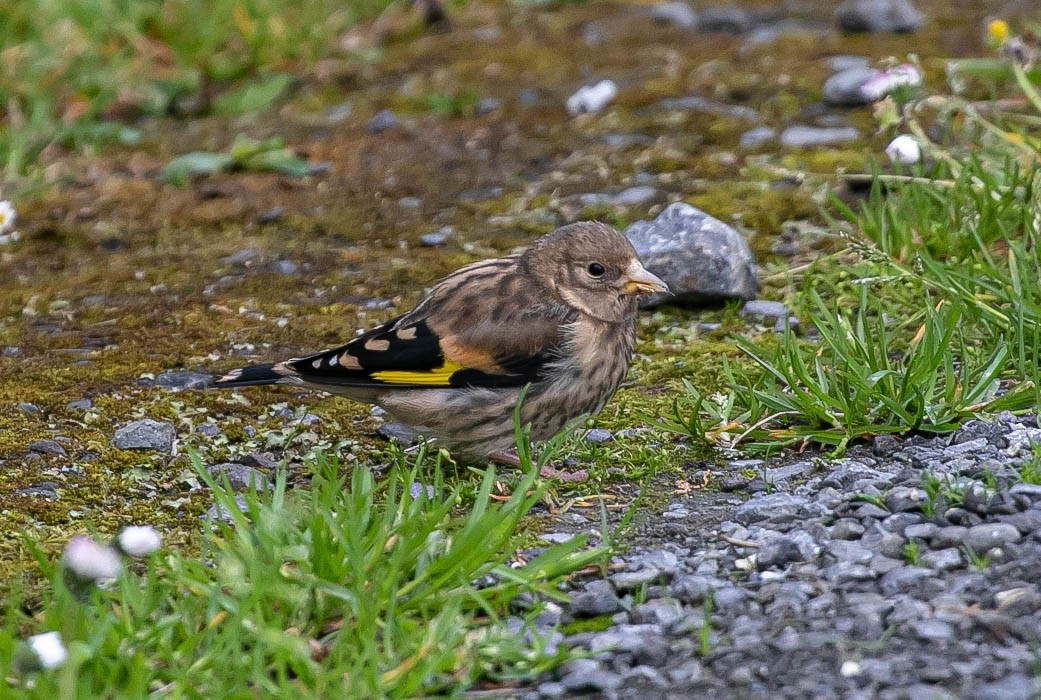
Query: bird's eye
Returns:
{"type": "Point", "coordinates": [596, 269]}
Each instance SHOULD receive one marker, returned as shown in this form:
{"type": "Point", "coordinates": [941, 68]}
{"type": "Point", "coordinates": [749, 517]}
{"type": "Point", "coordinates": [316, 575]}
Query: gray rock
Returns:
{"type": "Point", "coordinates": [777, 552]}
{"type": "Point", "coordinates": [586, 674]}
{"type": "Point", "coordinates": [847, 529]}
{"type": "Point", "coordinates": [945, 559]}
{"type": "Point", "coordinates": [764, 311]}
{"type": "Point", "coordinates": [1015, 686]}
{"type": "Point", "coordinates": [219, 512]}
{"type": "Point", "coordinates": [240, 476]}
{"type": "Point", "coordinates": [634, 196]}
{"type": "Point", "coordinates": [951, 536]}
{"type": "Point", "coordinates": [79, 405]}
{"type": "Point", "coordinates": [551, 689]}
{"type": "Point", "coordinates": [48, 447]}
{"type": "Point", "coordinates": [678, 14]}
{"type": "Point", "coordinates": [597, 598]}
{"type": "Point", "coordinates": [850, 472]}
{"type": "Point", "coordinates": [694, 589]}
{"type": "Point", "coordinates": [696, 103]}
{"type": "Point", "coordinates": [776, 508]}
{"type": "Point", "coordinates": [665, 612]}
{"type": "Point", "coordinates": [896, 16]}
{"type": "Point", "coordinates": [904, 579]}
{"type": "Point", "coordinates": [398, 432]}
{"type": "Point", "coordinates": [433, 240]}
{"type": "Point", "coordinates": [843, 88]}
{"type": "Point", "coordinates": [487, 105]}
{"type": "Point", "coordinates": [817, 136]}
{"type": "Point", "coordinates": [598, 436]}
{"type": "Point", "coordinates": [725, 18]}
{"type": "Point", "coordinates": [921, 531]}
{"type": "Point", "coordinates": [757, 137]}
{"type": "Point", "coordinates": [846, 61]}
{"type": "Point", "coordinates": [285, 267]}
{"type": "Point", "coordinates": [932, 630]}
{"type": "Point", "coordinates": [849, 552]}
{"type": "Point", "coordinates": [183, 379]}
{"type": "Point", "coordinates": [384, 120]}
{"type": "Point", "coordinates": [884, 445]}
{"type": "Point", "coordinates": [989, 535]}
{"type": "Point", "coordinates": [699, 257]}
{"type": "Point", "coordinates": [1026, 522]}
{"type": "Point", "coordinates": [145, 434]}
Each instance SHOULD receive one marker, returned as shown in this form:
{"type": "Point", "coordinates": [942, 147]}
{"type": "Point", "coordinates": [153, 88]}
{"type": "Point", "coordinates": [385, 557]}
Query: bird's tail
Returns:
{"type": "Point", "coordinates": [253, 375]}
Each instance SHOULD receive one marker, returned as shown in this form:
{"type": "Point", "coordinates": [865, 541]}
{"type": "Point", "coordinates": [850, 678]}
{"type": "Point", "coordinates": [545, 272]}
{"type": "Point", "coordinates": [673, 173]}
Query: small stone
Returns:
{"type": "Point", "coordinates": [433, 240]}
{"type": "Point", "coordinates": [932, 630]}
{"type": "Point", "coordinates": [79, 405]}
{"type": "Point", "coordinates": [693, 589]}
{"type": "Point", "coordinates": [725, 18]}
{"type": "Point", "coordinates": [984, 537]}
{"type": "Point", "coordinates": [48, 447]}
{"type": "Point", "coordinates": [818, 136]}
{"type": "Point", "coordinates": [678, 14]}
{"type": "Point", "coordinates": [701, 258]}
{"type": "Point", "coordinates": [1022, 600]}
{"type": "Point", "coordinates": [951, 536]}
{"type": "Point", "coordinates": [943, 559]}
{"type": "Point", "coordinates": [635, 196]}
{"type": "Point", "coordinates": [847, 529]}
{"type": "Point", "coordinates": [183, 379]}
{"type": "Point", "coordinates": [843, 88]}
{"type": "Point", "coordinates": [240, 477]}
{"type": "Point", "coordinates": [660, 611]}
{"type": "Point", "coordinates": [757, 137]}
{"type": "Point", "coordinates": [1016, 686]}
{"type": "Point", "coordinates": [764, 311]}
{"type": "Point", "coordinates": [776, 508]}
{"type": "Point", "coordinates": [31, 409]}
{"type": "Point", "coordinates": [592, 98]}
{"type": "Point", "coordinates": [598, 436]}
{"type": "Point", "coordinates": [145, 434]}
{"type": "Point", "coordinates": [270, 216]}
{"type": "Point", "coordinates": [398, 432]}
{"type": "Point", "coordinates": [487, 105]}
{"type": "Point", "coordinates": [584, 674]}
{"type": "Point", "coordinates": [892, 16]}
{"type": "Point", "coordinates": [777, 552]}
{"type": "Point", "coordinates": [597, 598]}
{"type": "Point", "coordinates": [384, 120]}
{"type": "Point", "coordinates": [921, 531]}
{"type": "Point", "coordinates": [285, 267]}
{"type": "Point", "coordinates": [905, 499]}
{"type": "Point", "coordinates": [219, 512]}
{"type": "Point", "coordinates": [884, 445]}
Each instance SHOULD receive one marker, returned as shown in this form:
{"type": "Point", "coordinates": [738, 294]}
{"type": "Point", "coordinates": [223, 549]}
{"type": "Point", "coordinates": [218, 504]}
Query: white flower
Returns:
{"type": "Point", "coordinates": [884, 82]}
{"type": "Point", "coordinates": [904, 149]}
{"type": "Point", "coordinates": [49, 649]}
{"type": "Point", "coordinates": [592, 98]}
{"type": "Point", "coordinates": [138, 540]}
{"type": "Point", "coordinates": [7, 216]}
{"type": "Point", "coordinates": [89, 561]}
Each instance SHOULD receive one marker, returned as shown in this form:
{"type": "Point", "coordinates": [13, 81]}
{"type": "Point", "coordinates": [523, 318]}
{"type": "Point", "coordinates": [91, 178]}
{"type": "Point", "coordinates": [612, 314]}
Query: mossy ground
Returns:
{"type": "Point", "coordinates": [120, 277]}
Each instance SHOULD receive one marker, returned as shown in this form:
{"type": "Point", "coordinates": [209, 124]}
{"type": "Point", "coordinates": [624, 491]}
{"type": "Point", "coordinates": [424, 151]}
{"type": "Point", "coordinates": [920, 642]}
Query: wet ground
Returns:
{"type": "Point", "coordinates": [120, 277]}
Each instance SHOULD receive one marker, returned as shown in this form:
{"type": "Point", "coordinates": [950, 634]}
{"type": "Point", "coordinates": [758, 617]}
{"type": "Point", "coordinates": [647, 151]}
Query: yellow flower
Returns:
{"type": "Point", "coordinates": [997, 33]}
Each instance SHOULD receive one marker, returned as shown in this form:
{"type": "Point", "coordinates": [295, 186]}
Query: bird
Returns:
{"type": "Point", "coordinates": [556, 323]}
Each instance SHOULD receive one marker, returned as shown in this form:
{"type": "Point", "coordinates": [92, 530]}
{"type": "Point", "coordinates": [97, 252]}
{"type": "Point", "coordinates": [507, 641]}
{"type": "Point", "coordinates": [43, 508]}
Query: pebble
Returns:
{"type": "Point", "coordinates": [240, 476]}
{"type": "Point", "coordinates": [677, 14]}
{"type": "Point", "coordinates": [382, 121]}
{"type": "Point", "coordinates": [398, 432]}
{"type": "Point", "coordinates": [177, 380]}
{"type": "Point", "coordinates": [598, 436]}
{"type": "Point", "coordinates": [698, 256]}
{"type": "Point", "coordinates": [816, 136]}
{"type": "Point", "coordinates": [48, 447]}
{"type": "Point", "coordinates": [145, 434]}
{"type": "Point", "coordinates": [592, 98]}
{"type": "Point", "coordinates": [757, 137]}
{"type": "Point", "coordinates": [890, 16]}
{"type": "Point", "coordinates": [981, 538]}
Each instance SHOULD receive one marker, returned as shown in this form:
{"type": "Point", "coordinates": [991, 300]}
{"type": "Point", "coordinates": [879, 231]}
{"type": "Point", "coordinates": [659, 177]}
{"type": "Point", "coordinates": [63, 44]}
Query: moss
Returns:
{"type": "Point", "coordinates": [591, 624]}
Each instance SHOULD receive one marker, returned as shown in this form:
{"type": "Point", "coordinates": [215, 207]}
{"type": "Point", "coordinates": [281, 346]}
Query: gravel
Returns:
{"type": "Point", "coordinates": [810, 590]}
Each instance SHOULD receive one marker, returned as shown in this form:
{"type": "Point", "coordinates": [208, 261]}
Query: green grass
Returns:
{"type": "Point", "coordinates": [350, 588]}
{"type": "Point", "coordinates": [931, 315]}
{"type": "Point", "coordinates": [71, 69]}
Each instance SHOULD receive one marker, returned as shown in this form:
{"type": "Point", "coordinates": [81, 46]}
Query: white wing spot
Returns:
{"type": "Point", "coordinates": [317, 364]}
{"type": "Point", "coordinates": [333, 361]}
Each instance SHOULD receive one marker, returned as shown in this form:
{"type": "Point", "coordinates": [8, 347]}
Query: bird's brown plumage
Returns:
{"type": "Point", "coordinates": [560, 318]}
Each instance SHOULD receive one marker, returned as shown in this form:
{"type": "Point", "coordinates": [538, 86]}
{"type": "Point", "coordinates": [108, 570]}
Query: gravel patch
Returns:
{"type": "Point", "coordinates": [863, 581]}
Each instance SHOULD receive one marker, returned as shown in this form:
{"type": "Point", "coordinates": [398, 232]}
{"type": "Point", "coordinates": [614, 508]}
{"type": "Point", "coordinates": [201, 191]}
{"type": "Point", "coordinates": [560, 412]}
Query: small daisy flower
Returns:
{"type": "Point", "coordinates": [89, 561]}
{"type": "Point", "coordinates": [138, 540]}
{"type": "Point", "coordinates": [7, 216]}
{"type": "Point", "coordinates": [49, 649]}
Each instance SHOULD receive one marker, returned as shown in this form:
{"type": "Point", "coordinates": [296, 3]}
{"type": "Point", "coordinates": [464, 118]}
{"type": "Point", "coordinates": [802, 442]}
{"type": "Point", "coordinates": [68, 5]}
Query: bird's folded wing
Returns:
{"type": "Point", "coordinates": [418, 351]}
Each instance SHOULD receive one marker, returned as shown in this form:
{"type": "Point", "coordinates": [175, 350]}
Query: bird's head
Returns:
{"type": "Point", "coordinates": [593, 268]}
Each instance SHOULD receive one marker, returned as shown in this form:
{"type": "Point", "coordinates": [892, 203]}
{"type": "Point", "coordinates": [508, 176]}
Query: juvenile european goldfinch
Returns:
{"type": "Point", "coordinates": [560, 317]}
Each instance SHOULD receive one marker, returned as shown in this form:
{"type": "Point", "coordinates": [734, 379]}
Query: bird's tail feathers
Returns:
{"type": "Point", "coordinates": [255, 375]}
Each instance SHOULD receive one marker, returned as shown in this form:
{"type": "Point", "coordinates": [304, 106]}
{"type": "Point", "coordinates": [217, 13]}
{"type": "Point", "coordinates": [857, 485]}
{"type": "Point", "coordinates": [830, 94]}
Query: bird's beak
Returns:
{"type": "Point", "coordinates": [636, 281]}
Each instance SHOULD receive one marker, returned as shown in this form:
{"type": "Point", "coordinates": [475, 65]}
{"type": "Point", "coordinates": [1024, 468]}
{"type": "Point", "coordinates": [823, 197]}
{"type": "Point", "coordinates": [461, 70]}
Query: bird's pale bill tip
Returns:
{"type": "Point", "coordinates": [639, 281]}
